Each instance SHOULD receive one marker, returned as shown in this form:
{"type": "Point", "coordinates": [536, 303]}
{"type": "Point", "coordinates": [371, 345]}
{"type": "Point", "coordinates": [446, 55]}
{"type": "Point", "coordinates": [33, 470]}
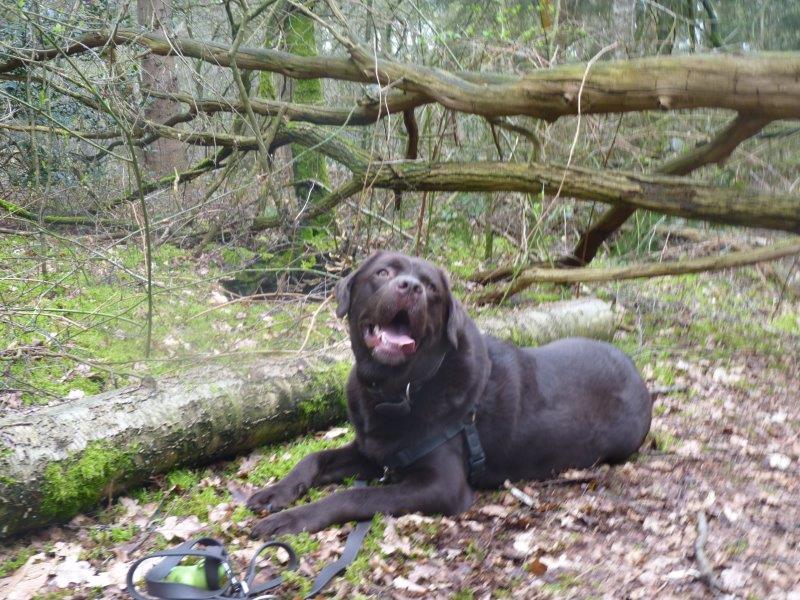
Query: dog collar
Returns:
{"type": "Point", "coordinates": [403, 407]}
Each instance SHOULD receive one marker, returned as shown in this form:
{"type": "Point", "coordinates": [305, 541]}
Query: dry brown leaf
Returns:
{"type": "Point", "coordinates": [28, 579]}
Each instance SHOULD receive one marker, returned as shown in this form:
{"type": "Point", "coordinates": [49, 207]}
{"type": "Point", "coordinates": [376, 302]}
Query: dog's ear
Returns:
{"type": "Point", "coordinates": [455, 313]}
{"type": "Point", "coordinates": [344, 286]}
{"type": "Point", "coordinates": [342, 294]}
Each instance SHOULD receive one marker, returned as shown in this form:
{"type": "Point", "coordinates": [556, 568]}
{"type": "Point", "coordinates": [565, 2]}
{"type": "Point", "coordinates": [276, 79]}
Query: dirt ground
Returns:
{"type": "Point", "coordinates": [724, 449]}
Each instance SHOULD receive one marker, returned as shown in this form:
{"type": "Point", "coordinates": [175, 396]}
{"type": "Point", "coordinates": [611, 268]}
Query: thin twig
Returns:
{"type": "Point", "coordinates": [706, 570]}
{"type": "Point", "coordinates": [519, 494]}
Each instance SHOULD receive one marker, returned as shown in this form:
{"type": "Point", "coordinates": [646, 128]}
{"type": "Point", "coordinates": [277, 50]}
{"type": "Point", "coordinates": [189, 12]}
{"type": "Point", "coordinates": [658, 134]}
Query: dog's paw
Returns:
{"type": "Point", "coordinates": [274, 498]}
{"type": "Point", "coordinates": [290, 521]}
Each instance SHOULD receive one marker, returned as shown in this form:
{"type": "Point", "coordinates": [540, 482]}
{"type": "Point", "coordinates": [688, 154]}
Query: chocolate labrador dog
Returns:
{"type": "Point", "coordinates": [443, 410]}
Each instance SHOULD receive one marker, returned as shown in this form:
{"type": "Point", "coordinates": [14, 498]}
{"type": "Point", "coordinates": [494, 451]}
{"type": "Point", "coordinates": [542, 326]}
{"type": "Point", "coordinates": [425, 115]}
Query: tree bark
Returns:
{"type": "Point", "coordinates": [159, 74]}
{"type": "Point", "coordinates": [58, 460]}
{"type": "Point", "coordinates": [534, 275]}
{"type": "Point", "coordinates": [716, 150]}
{"type": "Point", "coordinates": [308, 167]}
{"type": "Point", "coordinates": [761, 85]}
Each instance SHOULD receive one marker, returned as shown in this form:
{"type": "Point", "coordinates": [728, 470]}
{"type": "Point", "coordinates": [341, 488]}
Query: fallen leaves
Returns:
{"type": "Point", "coordinates": [28, 579]}
{"type": "Point", "coordinates": [181, 529]}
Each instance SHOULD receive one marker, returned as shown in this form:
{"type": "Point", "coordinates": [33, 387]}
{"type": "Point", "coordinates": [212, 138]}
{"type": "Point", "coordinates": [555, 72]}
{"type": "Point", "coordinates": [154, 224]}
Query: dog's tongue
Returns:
{"type": "Point", "coordinates": [392, 336]}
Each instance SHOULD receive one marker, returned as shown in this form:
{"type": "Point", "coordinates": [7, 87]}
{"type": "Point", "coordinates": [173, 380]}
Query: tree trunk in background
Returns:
{"type": "Point", "coordinates": [56, 461]}
{"type": "Point", "coordinates": [622, 20]}
{"type": "Point", "coordinates": [159, 74]}
{"type": "Point", "coordinates": [309, 168]}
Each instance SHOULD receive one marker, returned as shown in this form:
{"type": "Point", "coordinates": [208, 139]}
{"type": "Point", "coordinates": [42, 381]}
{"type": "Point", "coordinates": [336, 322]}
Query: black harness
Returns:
{"type": "Point", "coordinates": [476, 458]}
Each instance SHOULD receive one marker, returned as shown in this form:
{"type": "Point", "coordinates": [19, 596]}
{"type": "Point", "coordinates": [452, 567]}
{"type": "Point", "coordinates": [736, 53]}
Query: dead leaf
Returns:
{"type": "Point", "coordinates": [733, 578]}
{"type": "Point", "coordinates": [249, 463]}
{"type": "Point", "coordinates": [401, 583]}
{"type": "Point", "coordinates": [495, 510]}
{"type": "Point", "coordinates": [537, 567]}
{"type": "Point", "coordinates": [182, 530]}
{"type": "Point", "coordinates": [779, 461]}
{"type": "Point", "coordinates": [220, 512]}
{"type": "Point", "coordinates": [394, 542]}
{"type": "Point", "coordinates": [335, 432]}
{"type": "Point", "coordinates": [28, 579]}
{"type": "Point", "coordinates": [523, 542]}
{"type": "Point", "coordinates": [241, 491]}
{"type": "Point", "coordinates": [116, 575]}
{"type": "Point", "coordinates": [423, 572]}
{"type": "Point", "coordinates": [79, 572]}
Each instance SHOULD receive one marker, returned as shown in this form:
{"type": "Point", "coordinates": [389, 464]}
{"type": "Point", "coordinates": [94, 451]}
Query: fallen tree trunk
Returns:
{"type": "Point", "coordinates": [58, 460]}
{"type": "Point", "coordinates": [763, 85]}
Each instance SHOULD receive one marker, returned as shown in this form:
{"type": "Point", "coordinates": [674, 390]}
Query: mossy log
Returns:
{"type": "Point", "coordinates": [58, 460]}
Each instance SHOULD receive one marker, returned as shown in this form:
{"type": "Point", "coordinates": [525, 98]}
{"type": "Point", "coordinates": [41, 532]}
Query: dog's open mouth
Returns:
{"type": "Point", "coordinates": [392, 338]}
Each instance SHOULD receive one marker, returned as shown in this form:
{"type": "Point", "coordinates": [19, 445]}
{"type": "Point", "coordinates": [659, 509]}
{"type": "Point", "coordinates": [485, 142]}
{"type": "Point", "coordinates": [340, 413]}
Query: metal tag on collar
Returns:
{"type": "Point", "coordinates": [387, 473]}
{"type": "Point", "coordinates": [408, 392]}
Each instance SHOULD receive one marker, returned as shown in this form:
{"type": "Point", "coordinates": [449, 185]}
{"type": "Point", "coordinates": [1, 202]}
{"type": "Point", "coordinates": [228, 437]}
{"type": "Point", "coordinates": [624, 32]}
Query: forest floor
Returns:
{"type": "Point", "coordinates": [723, 354]}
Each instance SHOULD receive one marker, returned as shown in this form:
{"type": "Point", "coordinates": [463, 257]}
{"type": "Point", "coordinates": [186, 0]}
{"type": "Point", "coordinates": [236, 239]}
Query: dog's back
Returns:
{"type": "Point", "coordinates": [571, 403]}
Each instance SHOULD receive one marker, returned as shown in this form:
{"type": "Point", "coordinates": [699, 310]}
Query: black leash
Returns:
{"type": "Point", "coordinates": [215, 557]}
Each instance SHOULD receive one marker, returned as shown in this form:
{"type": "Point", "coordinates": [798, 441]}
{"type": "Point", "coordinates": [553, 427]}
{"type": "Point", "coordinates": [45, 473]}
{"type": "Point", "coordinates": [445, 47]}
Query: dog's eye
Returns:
{"type": "Point", "coordinates": [382, 273]}
{"type": "Point", "coordinates": [432, 288]}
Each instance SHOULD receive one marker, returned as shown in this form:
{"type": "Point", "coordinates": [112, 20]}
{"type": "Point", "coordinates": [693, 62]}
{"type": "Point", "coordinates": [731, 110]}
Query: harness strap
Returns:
{"type": "Point", "coordinates": [476, 461]}
{"type": "Point", "coordinates": [477, 457]}
{"type": "Point", "coordinates": [408, 456]}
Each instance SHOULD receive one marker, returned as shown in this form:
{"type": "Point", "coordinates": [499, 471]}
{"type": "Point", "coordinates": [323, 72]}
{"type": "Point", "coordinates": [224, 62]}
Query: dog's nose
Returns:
{"type": "Point", "coordinates": [408, 285]}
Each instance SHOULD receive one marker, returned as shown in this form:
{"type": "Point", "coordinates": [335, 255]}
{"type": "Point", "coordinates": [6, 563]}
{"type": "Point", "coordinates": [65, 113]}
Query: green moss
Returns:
{"type": "Point", "coordinates": [308, 166]}
{"type": "Point", "coordinates": [563, 584]}
{"type": "Point", "coordinates": [197, 502]}
{"type": "Point", "coordinates": [788, 322]}
{"type": "Point", "coordinates": [279, 459]}
{"type": "Point", "coordinates": [114, 535]}
{"type": "Point", "coordinates": [183, 479]}
{"type": "Point", "coordinates": [303, 543]}
{"type": "Point", "coordinates": [82, 480]}
{"type": "Point", "coordinates": [327, 391]}
{"type": "Point", "coordinates": [663, 441]}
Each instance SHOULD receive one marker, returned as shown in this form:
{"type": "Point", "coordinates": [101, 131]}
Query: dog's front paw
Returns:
{"type": "Point", "coordinates": [275, 497]}
{"type": "Point", "coordinates": [290, 521]}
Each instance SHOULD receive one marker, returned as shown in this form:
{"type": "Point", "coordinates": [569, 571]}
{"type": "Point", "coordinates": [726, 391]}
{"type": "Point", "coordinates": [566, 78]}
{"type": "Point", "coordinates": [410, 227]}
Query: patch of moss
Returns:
{"type": "Point", "coordinates": [183, 479]}
{"type": "Point", "coordinates": [279, 459]}
{"type": "Point", "coordinates": [327, 392]}
{"type": "Point", "coordinates": [563, 584]}
{"type": "Point", "coordinates": [197, 502]}
{"type": "Point", "coordinates": [788, 322]}
{"type": "Point", "coordinates": [663, 441]}
{"type": "Point", "coordinates": [82, 480]}
{"type": "Point", "coordinates": [303, 543]}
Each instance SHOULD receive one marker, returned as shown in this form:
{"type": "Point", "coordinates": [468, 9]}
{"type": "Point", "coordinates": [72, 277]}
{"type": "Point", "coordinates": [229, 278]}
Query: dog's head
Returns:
{"type": "Point", "coordinates": [398, 306]}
